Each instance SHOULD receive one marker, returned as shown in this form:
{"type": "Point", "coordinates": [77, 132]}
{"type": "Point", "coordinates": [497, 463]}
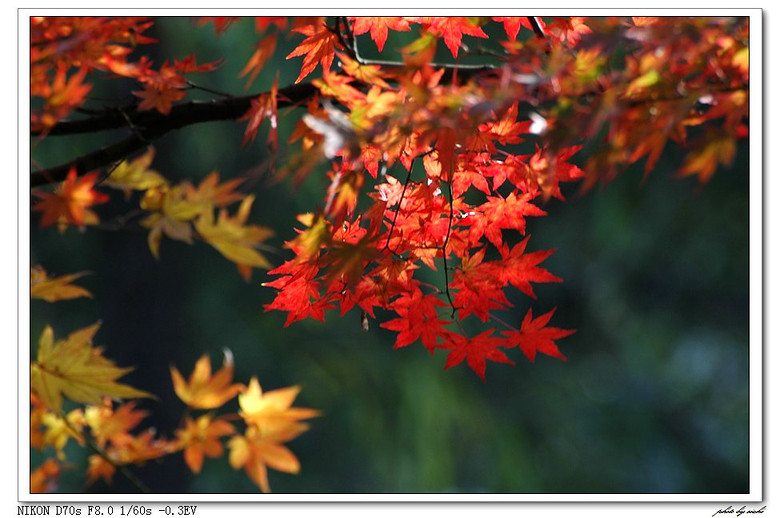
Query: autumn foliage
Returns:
{"type": "Point", "coordinates": [430, 165]}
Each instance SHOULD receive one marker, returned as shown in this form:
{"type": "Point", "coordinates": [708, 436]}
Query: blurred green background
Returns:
{"type": "Point", "coordinates": [653, 397]}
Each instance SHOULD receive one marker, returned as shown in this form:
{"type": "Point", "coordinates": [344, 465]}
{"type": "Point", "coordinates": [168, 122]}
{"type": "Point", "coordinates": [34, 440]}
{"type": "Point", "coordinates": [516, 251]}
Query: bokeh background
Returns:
{"type": "Point", "coordinates": [653, 397]}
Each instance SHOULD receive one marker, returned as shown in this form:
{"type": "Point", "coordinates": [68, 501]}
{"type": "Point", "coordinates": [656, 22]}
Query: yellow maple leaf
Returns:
{"type": "Point", "coordinates": [233, 238]}
{"type": "Point", "coordinates": [704, 161]}
{"type": "Point", "coordinates": [272, 412]}
{"type": "Point", "coordinates": [76, 370]}
{"type": "Point", "coordinates": [171, 213]}
{"type": "Point", "coordinates": [317, 235]}
{"type": "Point", "coordinates": [210, 191]}
{"type": "Point", "coordinates": [135, 175]}
{"type": "Point", "coordinates": [60, 429]}
{"type": "Point", "coordinates": [203, 390]}
{"type": "Point", "coordinates": [52, 289]}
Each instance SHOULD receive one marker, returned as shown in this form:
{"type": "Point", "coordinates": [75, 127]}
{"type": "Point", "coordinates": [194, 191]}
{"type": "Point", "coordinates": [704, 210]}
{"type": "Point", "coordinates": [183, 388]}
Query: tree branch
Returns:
{"type": "Point", "coordinates": [180, 115]}
{"type": "Point", "coordinates": [151, 125]}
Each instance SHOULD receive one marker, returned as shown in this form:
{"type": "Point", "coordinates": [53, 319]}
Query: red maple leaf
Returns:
{"type": "Point", "coordinates": [298, 292]}
{"type": "Point", "coordinates": [378, 27]}
{"type": "Point", "coordinates": [545, 171]}
{"type": "Point", "coordinates": [475, 350]}
{"type": "Point", "coordinates": [418, 318]}
{"type": "Point", "coordinates": [534, 337]}
{"type": "Point", "coordinates": [520, 269]}
{"type": "Point", "coordinates": [501, 213]}
{"type": "Point", "coordinates": [512, 24]}
{"type": "Point", "coordinates": [451, 28]}
{"type": "Point", "coordinates": [477, 288]}
{"type": "Point", "coordinates": [507, 130]}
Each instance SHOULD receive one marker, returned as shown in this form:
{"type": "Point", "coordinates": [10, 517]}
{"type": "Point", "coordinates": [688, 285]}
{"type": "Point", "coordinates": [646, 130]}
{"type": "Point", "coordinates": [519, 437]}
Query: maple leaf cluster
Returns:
{"type": "Point", "coordinates": [63, 50]}
{"type": "Point", "coordinates": [269, 420]}
{"type": "Point", "coordinates": [72, 368]}
{"type": "Point", "coordinates": [458, 212]}
{"type": "Point", "coordinates": [180, 212]}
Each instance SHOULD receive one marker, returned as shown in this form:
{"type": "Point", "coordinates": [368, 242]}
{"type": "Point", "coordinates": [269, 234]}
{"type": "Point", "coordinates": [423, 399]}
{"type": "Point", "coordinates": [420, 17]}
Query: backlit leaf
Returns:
{"type": "Point", "coordinates": [74, 369]}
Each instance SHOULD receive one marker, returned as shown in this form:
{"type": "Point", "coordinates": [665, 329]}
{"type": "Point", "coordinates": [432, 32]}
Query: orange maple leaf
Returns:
{"type": "Point", "coordinates": [203, 390]}
{"type": "Point", "coordinates": [98, 467]}
{"type": "Point", "coordinates": [271, 420]}
{"type": "Point", "coordinates": [319, 47]}
{"type": "Point", "coordinates": [67, 205]}
{"type": "Point", "coordinates": [264, 50]}
{"type": "Point", "coordinates": [159, 98]}
{"type": "Point", "coordinates": [261, 108]}
{"type": "Point", "coordinates": [140, 448]}
{"type": "Point", "coordinates": [255, 453]}
{"type": "Point", "coordinates": [114, 425]}
{"type": "Point", "coordinates": [201, 437]}
{"type": "Point", "coordinates": [44, 478]}
{"type": "Point", "coordinates": [188, 65]}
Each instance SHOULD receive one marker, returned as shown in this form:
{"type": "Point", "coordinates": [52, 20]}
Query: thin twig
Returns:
{"type": "Point", "coordinates": [502, 322]}
{"type": "Point", "coordinates": [444, 253]}
{"type": "Point", "coordinates": [194, 86]}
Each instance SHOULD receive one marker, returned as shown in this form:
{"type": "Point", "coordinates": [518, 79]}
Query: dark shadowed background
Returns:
{"type": "Point", "coordinates": [653, 397]}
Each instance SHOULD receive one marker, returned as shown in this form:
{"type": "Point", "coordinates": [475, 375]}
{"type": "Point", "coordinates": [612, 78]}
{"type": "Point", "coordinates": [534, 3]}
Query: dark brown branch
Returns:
{"type": "Point", "coordinates": [180, 115]}
{"type": "Point", "coordinates": [151, 125]}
